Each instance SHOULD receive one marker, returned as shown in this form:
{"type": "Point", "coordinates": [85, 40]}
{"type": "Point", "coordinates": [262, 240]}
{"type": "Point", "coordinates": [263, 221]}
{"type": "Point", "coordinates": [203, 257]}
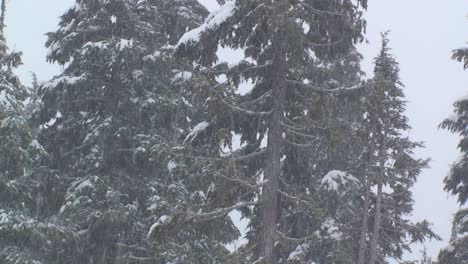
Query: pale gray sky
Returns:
{"type": "Point", "coordinates": [423, 34]}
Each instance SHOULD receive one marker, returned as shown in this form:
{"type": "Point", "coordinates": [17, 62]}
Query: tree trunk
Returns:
{"type": "Point", "coordinates": [2, 17]}
{"type": "Point", "coordinates": [377, 218]}
{"type": "Point", "coordinates": [272, 172]}
{"type": "Point", "coordinates": [378, 204]}
{"type": "Point", "coordinates": [364, 227]}
{"type": "Point", "coordinates": [365, 211]}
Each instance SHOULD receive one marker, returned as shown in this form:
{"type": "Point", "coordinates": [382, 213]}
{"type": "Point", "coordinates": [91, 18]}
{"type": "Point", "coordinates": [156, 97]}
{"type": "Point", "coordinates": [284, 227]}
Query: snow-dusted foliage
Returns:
{"type": "Point", "coordinates": [21, 233]}
{"type": "Point", "coordinates": [391, 168]}
{"type": "Point", "coordinates": [213, 21]}
{"type": "Point", "coordinates": [148, 142]}
{"type": "Point", "coordinates": [336, 179]}
{"type": "Point", "coordinates": [457, 250]}
{"type": "Point", "coordinates": [456, 182]}
{"type": "Point", "coordinates": [113, 122]}
{"type": "Point", "coordinates": [295, 62]}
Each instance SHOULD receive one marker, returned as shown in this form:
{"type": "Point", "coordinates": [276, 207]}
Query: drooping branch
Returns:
{"type": "Point", "coordinates": [299, 133]}
{"type": "Point", "coordinates": [223, 68]}
{"type": "Point", "coordinates": [330, 44]}
{"type": "Point", "coordinates": [242, 182]}
{"type": "Point", "coordinates": [229, 158]}
{"type": "Point", "coordinates": [204, 217]}
{"type": "Point", "coordinates": [299, 145]}
{"type": "Point", "coordinates": [295, 128]}
{"type": "Point", "coordinates": [245, 111]}
{"type": "Point", "coordinates": [318, 11]}
{"type": "Point", "coordinates": [297, 199]}
{"type": "Point", "coordinates": [282, 237]}
{"type": "Point", "coordinates": [131, 257]}
{"type": "Point", "coordinates": [312, 88]}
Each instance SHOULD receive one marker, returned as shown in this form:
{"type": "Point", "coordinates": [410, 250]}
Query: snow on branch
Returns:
{"type": "Point", "coordinates": [203, 217]}
{"type": "Point", "coordinates": [190, 217]}
{"type": "Point", "coordinates": [312, 88]}
{"type": "Point", "coordinates": [245, 111]}
{"type": "Point", "coordinates": [162, 221]}
{"type": "Point", "coordinates": [200, 127]}
{"type": "Point", "coordinates": [212, 22]}
{"type": "Point", "coordinates": [318, 11]}
{"type": "Point", "coordinates": [242, 182]}
{"type": "Point", "coordinates": [281, 236]}
{"type": "Point", "coordinates": [335, 178]}
{"type": "Point", "coordinates": [68, 80]}
{"type": "Point", "coordinates": [298, 133]}
{"type": "Point", "coordinates": [297, 199]}
{"type": "Point", "coordinates": [230, 158]}
{"type": "Point", "coordinates": [300, 145]}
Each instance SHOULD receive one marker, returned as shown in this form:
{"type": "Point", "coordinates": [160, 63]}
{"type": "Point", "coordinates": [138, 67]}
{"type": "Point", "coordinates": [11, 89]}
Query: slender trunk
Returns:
{"type": "Point", "coordinates": [111, 96]}
{"type": "Point", "coordinates": [2, 17]}
{"type": "Point", "coordinates": [377, 218]}
{"type": "Point", "coordinates": [365, 211]}
{"type": "Point", "coordinates": [378, 204]}
{"type": "Point", "coordinates": [365, 214]}
{"type": "Point", "coordinates": [364, 227]}
{"type": "Point", "coordinates": [269, 206]}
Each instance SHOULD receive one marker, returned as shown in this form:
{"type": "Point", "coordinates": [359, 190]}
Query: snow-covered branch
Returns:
{"type": "Point", "coordinates": [242, 182]}
{"type": "Point", "coordinates": [229, 158]}
{"type": "Point", "coordinates": [297, 199]}
{"type": "Point", "coordinates": [283, 237]}
{"type": "Point", "coordinates": [217, 18]}
{"type": "Point", "coordinates": [318, 11]}
{"type": "Point", "coordinates": [299, 145]}
{"type": "Point", "coordinates": [245, 111]}
{"type": "Point", "coordinates": [299, 133]}
{"type": "Point", "coordinates": [312, 88]}
{"type": "Point", "coordinates": [203, 217]}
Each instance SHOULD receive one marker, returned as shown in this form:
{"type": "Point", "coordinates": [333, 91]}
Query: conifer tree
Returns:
{"type": "Point", "coordinates": [391, 168]}
{"type": "Point", "coordinates": [20, 231]}
{"type": "Point", "coordinates": [456, 182]}
{"type": "Point", "coordinates": [111, 119]}
{"type": "Point", "coordinates": [323, 172]}
{"type": "Point", "coordinates": [281, 40]}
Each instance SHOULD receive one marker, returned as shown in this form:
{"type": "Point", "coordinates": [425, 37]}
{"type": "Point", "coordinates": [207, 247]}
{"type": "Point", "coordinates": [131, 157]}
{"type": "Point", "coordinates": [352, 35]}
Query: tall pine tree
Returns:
{"type": "Point", "coordinates": [391, 168]}
{"type": "Point", "coordinates": [110, 121]}
{"type": "Point", "coordinates": [281, 41]}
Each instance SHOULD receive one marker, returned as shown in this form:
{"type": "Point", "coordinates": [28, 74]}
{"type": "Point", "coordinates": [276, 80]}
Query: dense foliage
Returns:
{"type": "Point", "coordinates": [149, 145]}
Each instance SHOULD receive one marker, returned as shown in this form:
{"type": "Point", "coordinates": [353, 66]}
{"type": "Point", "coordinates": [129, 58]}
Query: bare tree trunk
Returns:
{"type": "Point", "coordinates": [269, 206]}
{"type": "Point", "coordinates": [365, 220]}
{"type": "Point", "coordinates": [377, 219]}
{"type": "Point", "coordinates": [364, 226]}
{"type": "Point", "coordinates": [2, 17]}
{"type": "Point", "coordinates": [365, 211]}
{"type": "Point", "coordinates": [378, 203]}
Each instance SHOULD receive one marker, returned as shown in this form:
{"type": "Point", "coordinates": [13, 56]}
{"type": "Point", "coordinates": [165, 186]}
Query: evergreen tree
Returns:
{"type": "Point", "coordinates": [391, 168]}
{"type": "Point", "coordinates": [323, 172]}
{"type": "Point", "coordinates": [456, 182]}
{"type": "Point", "coordinates": [111, 119]}
{"type": "Point", "coordinates": [281, 41]}
{"type": "Point", "coordinates": [20, 231]}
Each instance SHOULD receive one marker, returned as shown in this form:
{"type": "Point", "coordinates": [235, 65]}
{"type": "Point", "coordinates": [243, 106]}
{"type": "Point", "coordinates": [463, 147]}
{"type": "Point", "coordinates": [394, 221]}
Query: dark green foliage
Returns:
{"type": "Point", "coordinates": [294, 46]}
{"type": "Point", "coordinates": [394, 169]}
{"type": "Point", "coordinates": [456, 182]}
{"type": "Point", "coordinates": [20, 232]}
{"type": "Point", "coordinates": [112, 120]}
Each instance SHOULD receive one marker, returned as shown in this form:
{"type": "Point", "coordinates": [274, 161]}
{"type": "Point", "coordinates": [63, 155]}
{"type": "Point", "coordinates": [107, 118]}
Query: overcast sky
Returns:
{"type": "Point", "coordinates": [423, 34]}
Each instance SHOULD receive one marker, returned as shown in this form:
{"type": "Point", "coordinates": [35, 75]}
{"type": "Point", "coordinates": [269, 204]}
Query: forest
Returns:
{"type": "Point", "coordinates": [149, 147]}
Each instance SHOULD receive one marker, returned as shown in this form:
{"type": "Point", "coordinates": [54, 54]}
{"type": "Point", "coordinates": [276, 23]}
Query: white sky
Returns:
{"type": "Point", "coordinates": [423, 34]}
